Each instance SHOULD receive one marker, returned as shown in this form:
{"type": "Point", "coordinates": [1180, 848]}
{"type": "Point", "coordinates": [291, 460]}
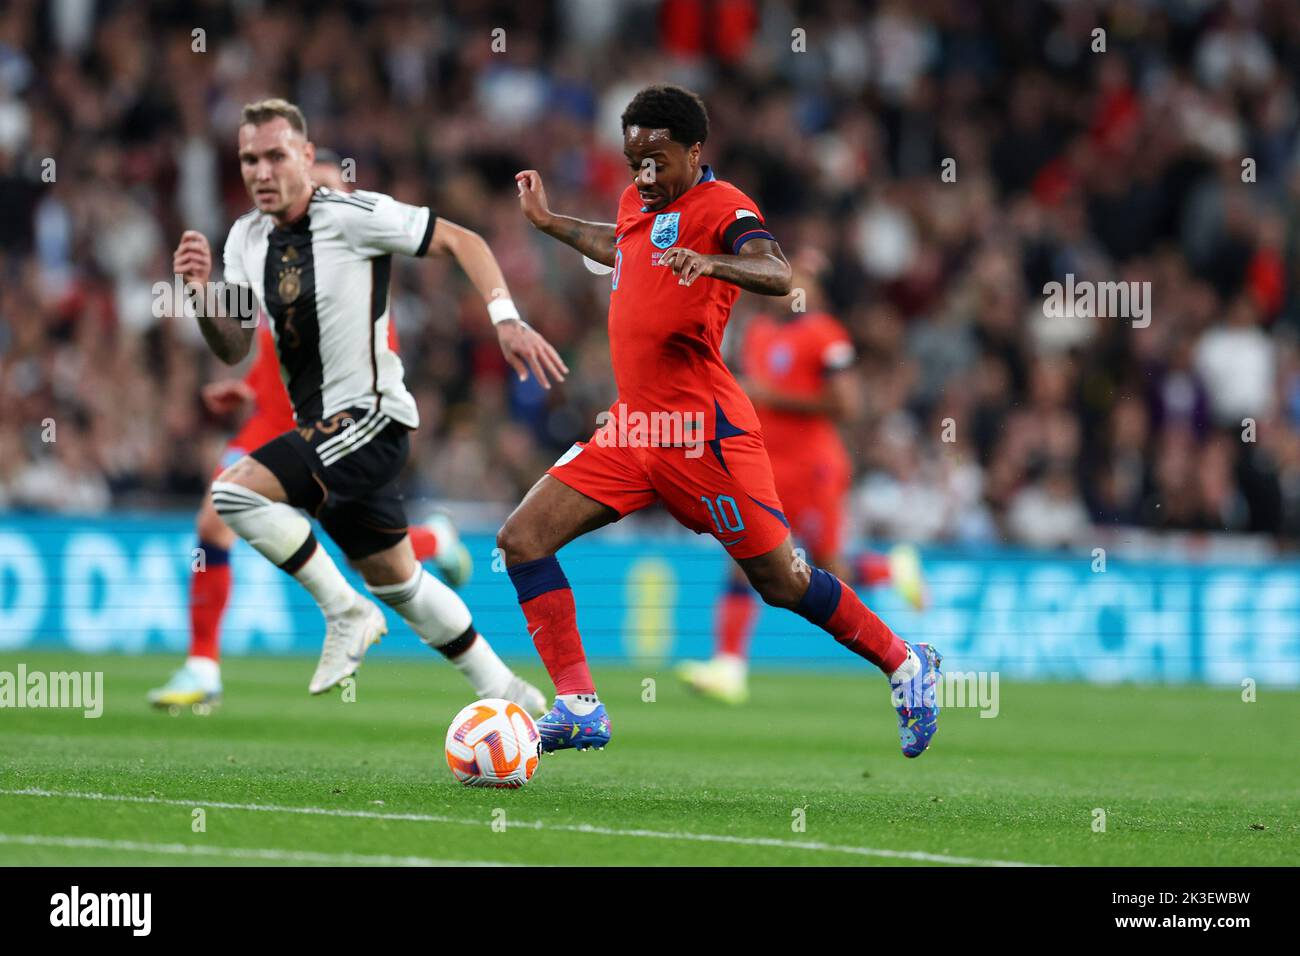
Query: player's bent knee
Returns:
{"type": "Point", "coordinates": [273, 528]}
{"type": "Point", "coordinates": [517, 543]}
{"type": "Point", "coordinates": [233, 473]}
{"type": "Point", "coordinates": [255, 476]}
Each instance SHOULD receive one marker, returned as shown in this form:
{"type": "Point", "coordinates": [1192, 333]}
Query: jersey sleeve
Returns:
{"type": "Point", "coordinates": [232, 256]}
{"type": "Point", "coordinates": [375, 224]}
{"type": "Point", "coordinates": [739, 221]}
{"type": "Point", "coordinates": [835, 350]}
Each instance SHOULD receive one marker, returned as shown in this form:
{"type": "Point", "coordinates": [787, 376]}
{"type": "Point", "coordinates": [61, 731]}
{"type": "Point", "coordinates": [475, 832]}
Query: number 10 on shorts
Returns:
{"type": "Point", "coordinates": [725, 514]}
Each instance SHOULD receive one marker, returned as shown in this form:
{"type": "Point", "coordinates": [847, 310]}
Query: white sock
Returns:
{"type": "Point", "coordinates": [486, 673]}
{"type": "Point", "coordinates": [434, 611]}
{"type": "Point", "coordinates": [205, 669]}
{"type": "Point", "coordinates": [284, 537]}
{"type": "Point", "coordinates": [275, 529]}
{"type": "Point", "coordinates": [440, 617]}
{"type": "Point", "coordinates": [908, 669]}
{"type": "Point", "coordinates": [323, 579]}
{"type": "Point", "coordinates": [580, 705]}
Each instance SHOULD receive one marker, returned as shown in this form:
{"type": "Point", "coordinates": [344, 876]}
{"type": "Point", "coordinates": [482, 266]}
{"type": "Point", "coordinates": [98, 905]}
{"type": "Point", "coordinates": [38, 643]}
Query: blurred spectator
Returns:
{"type": "Point", "coordinates": [950, 157]}
{"type": "Point", "coordinates": [1237, 362]}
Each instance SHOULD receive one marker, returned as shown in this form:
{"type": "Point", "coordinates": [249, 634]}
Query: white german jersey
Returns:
{"type": "Point", "coordinates": [323, 280]}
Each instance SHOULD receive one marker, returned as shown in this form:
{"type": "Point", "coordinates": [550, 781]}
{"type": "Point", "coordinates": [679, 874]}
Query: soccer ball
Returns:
{"type": "Point", "coordinates": [493, 743]}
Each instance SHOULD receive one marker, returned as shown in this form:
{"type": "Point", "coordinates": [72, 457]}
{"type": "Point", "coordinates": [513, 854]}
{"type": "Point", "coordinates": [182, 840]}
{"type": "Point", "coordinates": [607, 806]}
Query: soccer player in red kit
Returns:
{"type": "Point", "coordinates": [681, 431]}
{"type": "Point", "coordinates": [262, 396]}
{"type": "Point", "coordinates": [797, 367]}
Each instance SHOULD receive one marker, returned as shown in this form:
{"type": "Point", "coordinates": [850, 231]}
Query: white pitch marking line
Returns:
{"type": "Point", "coordinates": [237, 852]}
{"type": "Point", "coordinates": [811, 845]}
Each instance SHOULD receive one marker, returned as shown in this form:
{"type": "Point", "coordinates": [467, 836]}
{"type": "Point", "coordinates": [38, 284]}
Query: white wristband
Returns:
{"type": "Point", "coordinates": [502, 310]}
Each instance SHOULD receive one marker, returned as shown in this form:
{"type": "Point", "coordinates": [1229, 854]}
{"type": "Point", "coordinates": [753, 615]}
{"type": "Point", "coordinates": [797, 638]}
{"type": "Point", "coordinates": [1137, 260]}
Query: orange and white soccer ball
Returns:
{"type": "Point", "coordinates": [493, 743]}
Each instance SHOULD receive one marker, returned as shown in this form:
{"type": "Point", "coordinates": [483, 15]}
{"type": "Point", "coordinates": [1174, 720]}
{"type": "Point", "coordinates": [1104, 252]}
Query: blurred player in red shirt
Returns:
{"type": "Point", "coordinates": [262, 397]}
{"type": "Point", "coordinates": [681, 432]}
{"type": "Point", "coordinates": [798, 375]}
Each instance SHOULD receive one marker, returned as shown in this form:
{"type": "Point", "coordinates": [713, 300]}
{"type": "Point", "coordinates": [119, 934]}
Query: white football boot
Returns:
{"type": "Point", "coordinates": [347, 638]}
{"type": "Point", "coordinates": [723, 678]}
{"type": "Point", "coordinates": [196, 684]}
{"type": "Point", "coordinates": [526, 696]}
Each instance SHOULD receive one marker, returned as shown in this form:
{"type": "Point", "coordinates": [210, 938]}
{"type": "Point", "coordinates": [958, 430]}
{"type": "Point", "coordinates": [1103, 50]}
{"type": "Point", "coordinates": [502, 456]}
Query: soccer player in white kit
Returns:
{"type": "Point", "coordinates": [318, 263]}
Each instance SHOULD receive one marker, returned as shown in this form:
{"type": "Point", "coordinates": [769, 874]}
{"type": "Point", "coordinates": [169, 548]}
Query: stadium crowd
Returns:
{"type": "Point", "coordinates": [1171, 158]}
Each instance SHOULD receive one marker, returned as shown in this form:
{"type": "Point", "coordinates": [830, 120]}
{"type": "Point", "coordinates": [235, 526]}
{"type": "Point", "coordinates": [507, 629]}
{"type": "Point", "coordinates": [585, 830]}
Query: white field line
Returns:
{"type": "Point", "coordinates": [682, 835]}
{"type": "Point", "coordinates": [236, 852]}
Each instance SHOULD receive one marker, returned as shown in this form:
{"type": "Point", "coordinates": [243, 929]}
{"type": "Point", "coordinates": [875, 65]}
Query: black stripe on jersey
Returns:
{"type": "Point", "coordinates": [428, 234]}
{"type": "Point", "coordinates": [381, 271]}
{"type": "Point", "coordinates": [324, 192]}
{"type": "Point", "coordinates": [353, 197]}
{"type": "Point", "coordinates": [344, 202]}
{"type": "Point", "coordinates": [346, 198]}
{"type": "Point", "coordinates": [743, 230]}
{"type": "Point", "coordinates": [290, 282]}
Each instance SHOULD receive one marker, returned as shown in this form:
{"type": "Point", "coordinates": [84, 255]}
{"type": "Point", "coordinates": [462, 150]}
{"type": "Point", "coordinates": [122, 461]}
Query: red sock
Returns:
{"type": "Point", "coordinates": [423, 542]}
{"type": "Point", "coordinates": [209, 592]}
{"type": "Point", "coordinates": [834, 607]}
{"type": "Point", "coordinates": [872, 569]}
{"type": "Point", "coordinates": [547, 603]}
{"type": "Point", "coordinates": [553, 623]}
{"type": "Point", "coordinates": [856, 627]}
{"type": "Point", "coordinates": [734, 620]}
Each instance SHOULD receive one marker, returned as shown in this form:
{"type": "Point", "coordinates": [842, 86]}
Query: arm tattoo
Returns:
{"type": "Point", "coordinates": [595, 240]}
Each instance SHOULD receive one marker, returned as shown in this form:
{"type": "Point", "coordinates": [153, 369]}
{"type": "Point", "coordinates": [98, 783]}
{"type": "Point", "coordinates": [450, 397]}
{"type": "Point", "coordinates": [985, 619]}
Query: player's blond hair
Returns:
{"type": "Point", "coordinates": [263, 111]}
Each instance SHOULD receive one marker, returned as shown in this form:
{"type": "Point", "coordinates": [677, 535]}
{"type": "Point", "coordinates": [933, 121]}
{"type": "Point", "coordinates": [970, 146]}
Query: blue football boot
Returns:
{"type": "Point", "coordinates": [561, 729]}
{"type": "Point", "coordinates": [917, 702]}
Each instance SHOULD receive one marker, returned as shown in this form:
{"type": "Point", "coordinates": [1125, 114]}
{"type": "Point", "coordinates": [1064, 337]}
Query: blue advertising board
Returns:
{"type": "Point", "coordinates": [120, 584]}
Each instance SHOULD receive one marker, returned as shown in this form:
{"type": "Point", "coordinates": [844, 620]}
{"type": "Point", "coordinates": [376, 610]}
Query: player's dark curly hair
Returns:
{"type": "Point", "coordinates": [669, 107]}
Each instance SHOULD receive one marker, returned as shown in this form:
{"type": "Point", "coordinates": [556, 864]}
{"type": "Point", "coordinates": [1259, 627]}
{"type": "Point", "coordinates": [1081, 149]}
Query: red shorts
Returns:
{"type": "Point", "coordinates": [722, 487]}
{"type": "Point", "coordinates": [813, 489]}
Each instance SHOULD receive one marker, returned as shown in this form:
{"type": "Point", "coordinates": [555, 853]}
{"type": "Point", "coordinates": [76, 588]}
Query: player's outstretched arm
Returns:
{"type": "Point", "coordinates": [595, 240]}
{"type": "Point", "coordinates": [522, 346]}
{"type": "Point", "coordinates": [759, 267]}
{"type": "Point", "coordinates": [227, 335]}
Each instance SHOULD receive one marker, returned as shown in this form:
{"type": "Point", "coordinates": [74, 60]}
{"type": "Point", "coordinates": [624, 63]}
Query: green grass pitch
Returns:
{"type": "Point", "coordinates": [1185, 775]}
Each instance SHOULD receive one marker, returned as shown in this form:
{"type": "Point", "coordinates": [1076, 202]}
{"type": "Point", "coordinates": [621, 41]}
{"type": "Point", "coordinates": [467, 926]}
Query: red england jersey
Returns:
{"type": "Point", "coordinates": [665, 338]}
{"type": "Point", "coordinates": [793, 358]}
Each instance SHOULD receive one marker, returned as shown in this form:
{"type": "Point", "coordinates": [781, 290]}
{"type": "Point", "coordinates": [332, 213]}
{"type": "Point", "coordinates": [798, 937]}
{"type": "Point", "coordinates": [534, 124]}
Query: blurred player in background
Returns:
{"type": "Point", "coordinates": [318, 263]}
{"type": "Point", "coordinates": [798, 375]}
{"type": "Point", "coordinates": [684, 245]}
{"type": "Point", "coordinates": [261, 396]}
